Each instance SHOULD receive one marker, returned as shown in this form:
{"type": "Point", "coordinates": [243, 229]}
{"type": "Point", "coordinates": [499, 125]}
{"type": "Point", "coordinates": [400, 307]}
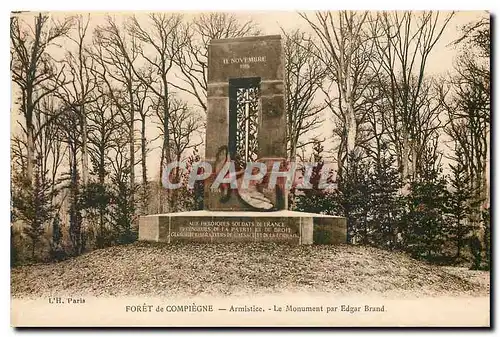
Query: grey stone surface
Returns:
{"type": "Point", "coordinates": [217, 133]}
{"type": "Point", "coordinates": [262, 54]}
{"type": "Point", "coordinates": [215, 227]}
{"type": "Point", "coordinates": [307, 229]}
{"type": "Point", "coordinates": [244, 58]}
{"type": "Point", "coordinates": [149, 228]}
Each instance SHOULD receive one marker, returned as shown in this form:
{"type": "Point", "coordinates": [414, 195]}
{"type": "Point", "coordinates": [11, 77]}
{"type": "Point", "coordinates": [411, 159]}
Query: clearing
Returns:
{"type": "Point", "coordinates": [147, 269]}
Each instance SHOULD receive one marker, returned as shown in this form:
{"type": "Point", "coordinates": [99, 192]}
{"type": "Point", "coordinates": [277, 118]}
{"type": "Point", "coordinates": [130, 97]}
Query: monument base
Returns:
{"type": "Point", "coordinates": [241, 226]}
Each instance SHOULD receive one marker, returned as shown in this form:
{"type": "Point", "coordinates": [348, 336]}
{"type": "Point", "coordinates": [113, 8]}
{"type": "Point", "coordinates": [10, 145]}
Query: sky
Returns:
{"type": "Point", "coordinates": [440, 61]}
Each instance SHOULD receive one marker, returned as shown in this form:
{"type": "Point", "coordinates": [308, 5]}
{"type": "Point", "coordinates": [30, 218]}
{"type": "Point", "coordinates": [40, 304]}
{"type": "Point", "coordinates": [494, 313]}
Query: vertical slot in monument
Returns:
{"type": "Point", "coordinates": [244, 110]}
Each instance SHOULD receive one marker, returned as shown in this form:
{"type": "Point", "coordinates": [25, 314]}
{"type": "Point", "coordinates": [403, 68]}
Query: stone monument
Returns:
{"type": "Point", "coordinates": [246, 122]}
{"type": "Point", "coordinates": [246, 98]}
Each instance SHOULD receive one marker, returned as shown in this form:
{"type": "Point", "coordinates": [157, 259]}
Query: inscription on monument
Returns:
{"type": "Point", "coordinates": [237, 229]}
{"type": "Point", "coordinates": [244, 62]}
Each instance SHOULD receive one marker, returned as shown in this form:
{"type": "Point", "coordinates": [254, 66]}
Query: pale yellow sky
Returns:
{"type": "Point", "coordinates": [440, 61]}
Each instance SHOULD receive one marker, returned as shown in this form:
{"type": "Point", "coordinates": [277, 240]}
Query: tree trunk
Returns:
{"type": "Point", "coordinates": [414, 163]}
{"type": "Point", "coordinates": [30, 159]}
{"type": "Point", "coordinates": [102, 207]}
{"type": "Point", "coordinates": [404, 158]}
{"type": "Point", "coordinates": [351, 128]}
{"type": "Point", "coordinates": [160, 187]}
{"type": "Point", "coordinates": [166, 132]}
{"type": "Point", "coordinates": [85, 156]}
{"type": "Point", "coordinates": [340, 154]}
{"type": "Point", "coordinates": [75, 225]}
{"type": "Point", "coordinates": [131, 136]}
{"type": "Point", "coordinates": [293, 149]}
{"type": "Point", "coordinates": [132, 157]}
{"type": "Point", "coordinates": [145, 190]}
{"type": "Point", "coordinates": [173, 193]}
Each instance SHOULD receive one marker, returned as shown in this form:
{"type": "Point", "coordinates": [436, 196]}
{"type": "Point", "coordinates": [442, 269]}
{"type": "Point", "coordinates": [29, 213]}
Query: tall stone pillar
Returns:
{"type": "Point", "coordinates": [254, 59]}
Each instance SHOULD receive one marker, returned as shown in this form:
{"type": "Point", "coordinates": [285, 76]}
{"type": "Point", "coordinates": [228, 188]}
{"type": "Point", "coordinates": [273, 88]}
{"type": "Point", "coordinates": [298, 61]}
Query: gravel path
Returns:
{"type": "Point", "coordinates": [237, 269]}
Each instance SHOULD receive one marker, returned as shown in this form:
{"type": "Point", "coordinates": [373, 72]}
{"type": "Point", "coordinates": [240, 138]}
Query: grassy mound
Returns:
{"type": "Point", "coordinates": [228, 269]}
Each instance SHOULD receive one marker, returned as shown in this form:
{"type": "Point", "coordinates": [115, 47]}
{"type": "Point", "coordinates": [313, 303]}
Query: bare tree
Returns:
{"type": "Point", "coordinates": [304, 74]}
{"type": "Point", "coordinates": [404, 42]}
{"type": "Point", "coordinates": [144, 105]}
{"type": "Point", "coordinates": [468, 105]}
{"type": "Point", "coordinates": [122, 212]}
{"type": "Point", "coordinates": [165, 38]}
{"type": "Point", "coordinates": [69, 124]}
{"type": "Point", "coordinates": [373, 133]}
{"type": "Point", "coordinates": [103, 123]}
{"type": "Point", "coordinates": [183, 126]}
{"type": "Point", "coordinates": [116, 52]}
{"type": "Point", "coordinates": [18, 153]}
{"type": "Point", "coordinates": [49, 146]}
{"type": "Point", "coordinates": [79, 91]}
{"type": "Point", "coordinates": [33, 70]}
{"type": "Point", "coordinates": [193, 60]}
{"type": "Point", "coordinates": [346, 48]}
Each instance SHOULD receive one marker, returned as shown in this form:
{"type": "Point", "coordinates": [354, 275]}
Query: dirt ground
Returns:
{"type": "Point", "coordinates": [144, 269]}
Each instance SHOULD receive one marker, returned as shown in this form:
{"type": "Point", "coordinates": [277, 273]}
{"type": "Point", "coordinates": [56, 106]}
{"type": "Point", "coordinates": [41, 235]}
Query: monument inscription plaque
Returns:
{"type": "Point", "coordinates": [212, 226]}
{"type": "Point", "coordinates": [237, 228]}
